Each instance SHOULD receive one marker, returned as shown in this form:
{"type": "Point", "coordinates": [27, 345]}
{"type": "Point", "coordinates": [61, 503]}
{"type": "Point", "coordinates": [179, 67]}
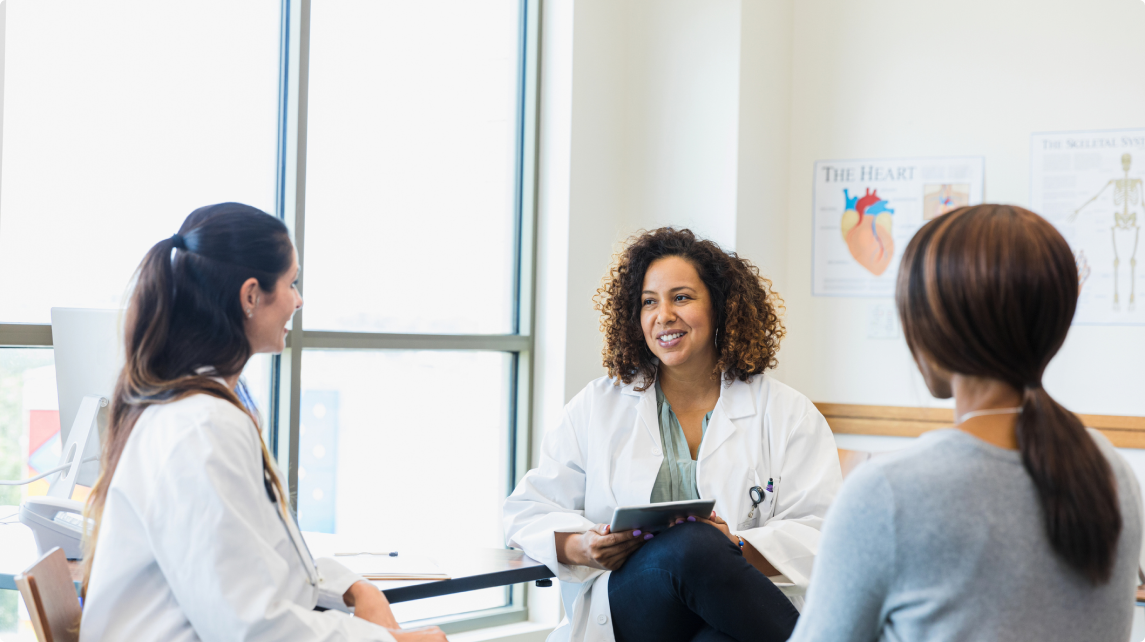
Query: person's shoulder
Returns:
{"type": "Point", "coordinates": [780, 399]}
{"type": "Point", "coordinates": [609, 386]}
{"type": "Point", "coordinates": [1122, 469]}
{"type": "Point", "coordinates": [600, 404]}
{"type": "Point", "coordinates": [183, 435]}
{"type": "Point", "coordinates": [929, 459]}
{"type": "Point", "coordinates": [604, 389]}
{"type": "Point", "coordinates": [1106, 447]}
{"type": "Point", "coordinates": [201, 408]}
{"type": "Point", "coordinates": [777, 391]}
{"type": "Point", "coordinates": [867, 491]}
{"type": "Point", "coordinates": [200, 413]}
{"type": "Point", "coordinates": [922, 466]}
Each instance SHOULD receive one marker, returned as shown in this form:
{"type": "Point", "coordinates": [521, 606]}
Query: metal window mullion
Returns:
{"type": "Point", "coordinates": [25, 335]}
{"type": "Point", "coordinates": [301, 47]}
{"type": "Point", "coordinates": [520, 446]}
{"type": "Point", "coordinates": [384, 341]}
{"type": "Point", "coordinates": [273, 413]}
{"type": "Point", "coordinates": [527, 243]}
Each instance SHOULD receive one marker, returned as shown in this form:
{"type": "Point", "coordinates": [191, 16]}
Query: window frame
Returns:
{"type": "Point", "coordinates": [282, 417]}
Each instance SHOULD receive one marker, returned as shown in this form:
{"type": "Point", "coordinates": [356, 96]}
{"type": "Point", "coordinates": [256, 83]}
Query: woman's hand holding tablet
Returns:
{"type": "Point", "coordinates": [652, 518]}
{"type": "Point", "coordinates": [599, 547]}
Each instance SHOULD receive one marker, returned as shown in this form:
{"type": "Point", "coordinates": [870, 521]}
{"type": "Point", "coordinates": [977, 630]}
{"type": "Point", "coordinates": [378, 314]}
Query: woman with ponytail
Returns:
{"type": "Point", "coordinates": [192, 537]}
{"type": "Point", "coordinates": [1016, 524]}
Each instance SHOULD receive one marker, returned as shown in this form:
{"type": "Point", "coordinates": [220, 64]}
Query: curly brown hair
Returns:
{"type": "Point", "coordinates": [746, 308]}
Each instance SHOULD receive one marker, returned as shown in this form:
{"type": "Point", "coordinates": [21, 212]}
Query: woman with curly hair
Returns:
{"type": "Point", "coordinates": [687, 411]}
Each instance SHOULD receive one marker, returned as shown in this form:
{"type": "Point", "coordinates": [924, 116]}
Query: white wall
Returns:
{"type": "Point", "coordinates": [711, 113]}
{"type": "Point", "coordinates": [678, 115]}
{"type": "Point", "coordinates": [763, 174]}
{"type": "Point", "coordinates": [653, 127]}
{"type": "Point", "coordinates": [893, 78]}
{"type": "Point", "coordinates": [3, 32]}
{"type": "Point", "coordinates": [639, 124]}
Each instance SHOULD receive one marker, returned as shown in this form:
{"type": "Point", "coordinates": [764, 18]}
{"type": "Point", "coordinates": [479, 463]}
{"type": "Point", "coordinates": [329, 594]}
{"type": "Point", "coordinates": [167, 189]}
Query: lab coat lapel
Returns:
{"type": "Point", "coordinates": [646, 417]}
{"type": "Point", "coordinates": [735, 402]}
{"type": "Point", "coordinates": [635, 470]}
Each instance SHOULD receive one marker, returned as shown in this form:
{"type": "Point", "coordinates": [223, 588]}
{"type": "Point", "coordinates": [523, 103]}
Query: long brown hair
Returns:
{"type": "Point", "coordinates": [746, 308]}
{"type": "Point", "coordinates": [184, 327]}
{"type": "Point", "coordinates": [990, 291]}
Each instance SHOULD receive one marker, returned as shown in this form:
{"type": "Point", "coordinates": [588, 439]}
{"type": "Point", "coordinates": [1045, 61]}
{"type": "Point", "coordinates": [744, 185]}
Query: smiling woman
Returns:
{"type": "Point", "coordinates": [687, 412]}
{"type": "Point", "coordinates": [186, 475]}
{"type": "Point", "coordinates": [745, 322]}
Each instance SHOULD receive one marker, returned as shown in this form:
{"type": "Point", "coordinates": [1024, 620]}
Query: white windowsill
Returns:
{"type": "Point", "coordinates": [516, 632]}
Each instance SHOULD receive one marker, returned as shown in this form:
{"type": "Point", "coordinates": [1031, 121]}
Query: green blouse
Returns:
{"type": "Point", "coordinates": [676, 480]}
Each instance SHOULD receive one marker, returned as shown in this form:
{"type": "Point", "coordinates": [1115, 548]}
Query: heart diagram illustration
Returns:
{"type": "Point", "coordinates": [867, 230]}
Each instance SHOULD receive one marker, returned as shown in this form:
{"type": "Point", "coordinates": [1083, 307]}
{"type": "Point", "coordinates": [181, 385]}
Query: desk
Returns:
{"type": "Point", "coordinates": [469, 570]}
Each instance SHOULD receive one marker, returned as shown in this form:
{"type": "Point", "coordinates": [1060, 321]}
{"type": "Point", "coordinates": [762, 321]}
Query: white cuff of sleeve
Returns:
{"type": "Point", "coordinates": [333, 582]}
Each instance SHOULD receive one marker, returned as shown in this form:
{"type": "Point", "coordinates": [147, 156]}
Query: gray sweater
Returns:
{"type": "Point", "coordinates": [945, 541]}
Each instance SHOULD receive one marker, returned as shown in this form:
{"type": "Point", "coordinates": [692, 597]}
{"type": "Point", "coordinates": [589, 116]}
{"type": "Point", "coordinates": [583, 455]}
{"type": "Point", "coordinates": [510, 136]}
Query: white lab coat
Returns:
{"type": "Point", "coordinates": [606, 453]}
{"type": "Point", "coordinates": [191, 547]}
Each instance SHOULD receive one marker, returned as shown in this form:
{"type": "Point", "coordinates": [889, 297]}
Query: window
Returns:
{"type": "Point", "coordinates": [118, 121]}
{"type": "Point", "coordinates": [29, 421]}
{"type": "Point", "coordinates": [396, 139]}
{"type": "Point", "coordinates": [411, 166]}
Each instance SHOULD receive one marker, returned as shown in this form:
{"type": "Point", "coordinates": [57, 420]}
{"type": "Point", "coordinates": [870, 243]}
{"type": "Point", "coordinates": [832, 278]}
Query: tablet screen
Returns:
{"type": "Point", "coordinates": [656, 517]}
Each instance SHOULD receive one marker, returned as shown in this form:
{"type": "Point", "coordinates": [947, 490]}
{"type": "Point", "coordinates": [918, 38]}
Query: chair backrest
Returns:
{"type": "Point", "coordinates": [850, 459]}
{"type": "Point", "coordinates": [50, 595]}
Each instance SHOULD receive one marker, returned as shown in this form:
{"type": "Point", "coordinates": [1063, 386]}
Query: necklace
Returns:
{"type": "Point", "coordinates": [982, 413]}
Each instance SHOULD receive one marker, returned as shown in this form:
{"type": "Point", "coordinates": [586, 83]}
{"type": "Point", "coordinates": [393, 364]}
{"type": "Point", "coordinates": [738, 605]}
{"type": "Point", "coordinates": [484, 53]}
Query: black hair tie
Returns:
{"type": "Point", "coordinates": [178, 242]}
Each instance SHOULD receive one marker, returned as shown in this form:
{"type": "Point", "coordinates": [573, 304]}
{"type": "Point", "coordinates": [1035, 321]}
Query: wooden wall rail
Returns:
{"type": "Point", "coordinates": [899, 421]}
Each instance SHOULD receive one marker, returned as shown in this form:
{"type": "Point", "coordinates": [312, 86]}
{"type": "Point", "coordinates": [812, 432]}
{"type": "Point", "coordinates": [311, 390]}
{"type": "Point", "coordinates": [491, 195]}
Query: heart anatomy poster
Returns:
{"type": "Point", "coordinates": [1091, 186]}
{"type": "Point", "coordinates": [866, 211]}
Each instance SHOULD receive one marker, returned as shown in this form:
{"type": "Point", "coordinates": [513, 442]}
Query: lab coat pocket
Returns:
{"type": "Point", "coordinates": [759, 513]}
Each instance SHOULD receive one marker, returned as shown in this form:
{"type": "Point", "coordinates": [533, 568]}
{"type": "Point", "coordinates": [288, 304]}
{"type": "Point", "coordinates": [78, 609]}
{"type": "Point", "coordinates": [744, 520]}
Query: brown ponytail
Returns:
{"type": "Point", "coordinates": [184, 316]}
{"type": "Point", "coordinates": [1074, 482]}
{"type": "Point", "coordinates": [990, 291]}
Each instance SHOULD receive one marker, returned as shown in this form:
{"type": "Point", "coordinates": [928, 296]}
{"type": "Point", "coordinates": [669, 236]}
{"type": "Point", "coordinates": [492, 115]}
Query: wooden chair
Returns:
{"type": "Point", "coordinates": [850, 459]}
{"type": "Point", "coordinates": [50, 595]}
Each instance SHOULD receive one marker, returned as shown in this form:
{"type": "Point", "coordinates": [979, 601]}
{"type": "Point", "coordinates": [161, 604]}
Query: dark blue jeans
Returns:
{"type": "Point", "coordinates": [691, 583]}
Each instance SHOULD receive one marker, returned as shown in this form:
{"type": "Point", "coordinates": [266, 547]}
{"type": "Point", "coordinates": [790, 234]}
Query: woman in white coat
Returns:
{"type": "Point", "coordinates": [686, 412]}
{"type": "Point", "coordinates": [192, 537]}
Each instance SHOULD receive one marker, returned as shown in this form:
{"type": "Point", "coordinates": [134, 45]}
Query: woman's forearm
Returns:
{"type": "Point", "coordinates": [569, 548]}
{"type": "Point", "coordinates": [756, 559]}
{"type": "Point", "coordinates": [370, 604]}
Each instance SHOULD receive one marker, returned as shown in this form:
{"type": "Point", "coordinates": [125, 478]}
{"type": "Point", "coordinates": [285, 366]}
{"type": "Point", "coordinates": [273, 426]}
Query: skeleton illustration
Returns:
{"type": "Point", "coordinates": [1128, 197]}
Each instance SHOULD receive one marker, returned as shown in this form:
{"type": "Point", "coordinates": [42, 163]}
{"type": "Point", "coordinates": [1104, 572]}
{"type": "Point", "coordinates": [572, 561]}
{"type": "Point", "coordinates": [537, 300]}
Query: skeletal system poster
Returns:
{"type": "Point", "coordinates": [1091, 185]}
{"type": "Point", "coordinates": [866, 211]}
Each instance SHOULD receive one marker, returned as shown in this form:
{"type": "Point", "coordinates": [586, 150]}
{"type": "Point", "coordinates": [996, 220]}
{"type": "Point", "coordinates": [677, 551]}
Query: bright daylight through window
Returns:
{"type": "Point", "coordinates": [118, 120]}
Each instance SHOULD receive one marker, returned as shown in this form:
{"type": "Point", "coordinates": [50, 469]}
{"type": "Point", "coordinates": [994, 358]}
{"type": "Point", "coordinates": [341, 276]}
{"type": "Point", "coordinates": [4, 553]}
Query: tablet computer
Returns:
{"type": "Point", "coordinates": [656, 517]}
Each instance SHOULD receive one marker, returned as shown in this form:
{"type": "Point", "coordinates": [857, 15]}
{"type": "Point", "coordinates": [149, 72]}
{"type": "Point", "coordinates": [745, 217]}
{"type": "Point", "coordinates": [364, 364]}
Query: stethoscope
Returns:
{"type": "Point", "coordinates": [307, 559]}
{"type": "Point", "coordinates": [757, 496]}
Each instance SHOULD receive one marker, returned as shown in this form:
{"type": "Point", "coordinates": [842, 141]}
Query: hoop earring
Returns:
{"type": "Point", "coordinates": [716, 340]}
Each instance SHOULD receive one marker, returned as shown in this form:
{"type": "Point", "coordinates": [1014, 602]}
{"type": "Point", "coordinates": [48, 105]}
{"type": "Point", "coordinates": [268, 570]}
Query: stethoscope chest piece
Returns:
{"type": "Point", "coordinates": [756, 494]}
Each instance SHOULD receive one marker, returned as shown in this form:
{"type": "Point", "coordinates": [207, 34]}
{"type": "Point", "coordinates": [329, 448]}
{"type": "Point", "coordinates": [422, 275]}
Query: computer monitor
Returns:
{"type": "Point", "coordinates": [88, 346]}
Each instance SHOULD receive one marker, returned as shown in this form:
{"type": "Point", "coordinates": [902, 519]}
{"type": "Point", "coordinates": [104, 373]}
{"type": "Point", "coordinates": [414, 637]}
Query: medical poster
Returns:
{"type": "Point", "coordinates": [866, 211]}
{"type": "Point", "coordinates": [1091, 185]}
